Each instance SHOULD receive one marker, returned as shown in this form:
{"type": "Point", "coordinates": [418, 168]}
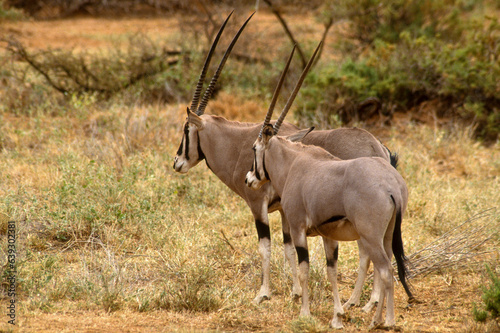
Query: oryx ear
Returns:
{"type": "Point", "coordinates": [267, 133]}
{"type": "Point", "coordinates": [298, 136]}
{"type": "Point", "coordinates": [194, 119]}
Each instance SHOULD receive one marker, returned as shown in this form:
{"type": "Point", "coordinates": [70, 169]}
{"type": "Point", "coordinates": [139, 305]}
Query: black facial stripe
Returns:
{"type": "Point", "coordinates": [302, 254]}
{"type": "Point", "coordinates": [264, 166]}
{"type": "Point", "coordinates": [201, 156]}
{"type": "Point", "coordinates": [186, 144]}
{"type": "Point", "coordinates": [179, 151]}
{"type": "Point", "coordinates": [286, 238]}
{"type": "Point", "coordinates": [254, 165]}
{"type": "Point", "coordinates": [262, 230]}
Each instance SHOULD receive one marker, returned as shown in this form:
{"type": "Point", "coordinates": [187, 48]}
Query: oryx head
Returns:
{"type": "Point", "coordinates": [189, 153]}
{"type": "Point", "coordinates": [258, 175]}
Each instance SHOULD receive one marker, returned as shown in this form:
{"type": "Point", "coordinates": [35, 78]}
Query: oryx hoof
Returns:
{"type": "Point", "coordinates": [380, 326]}
{"type": "Point", "coordinates": [296, 296]}
{"type": "Point", "coordinates": [260, 298]}
{"type": "Point", "coordinates": [337, 321]}
{"type": "Point", "coordinates": [347, 305]}
{"type": "Point", "coordinates": [305, 313]}
{"type": "Point", "coordinates": [375, 326]}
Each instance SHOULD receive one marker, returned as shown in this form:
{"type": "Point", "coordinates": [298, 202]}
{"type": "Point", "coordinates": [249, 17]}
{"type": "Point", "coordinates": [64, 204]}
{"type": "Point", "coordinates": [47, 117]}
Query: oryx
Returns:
{"type": "Point", "coordinates": [340, 200]}
{"type": "Point", "coordinates": [226, 147]}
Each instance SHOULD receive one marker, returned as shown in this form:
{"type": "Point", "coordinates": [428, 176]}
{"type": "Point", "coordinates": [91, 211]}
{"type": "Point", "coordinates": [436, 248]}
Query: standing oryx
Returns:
{"type": "Point", "coordinates": [340, 200]}
{"type": "Point", "coordinates": [226, 148]}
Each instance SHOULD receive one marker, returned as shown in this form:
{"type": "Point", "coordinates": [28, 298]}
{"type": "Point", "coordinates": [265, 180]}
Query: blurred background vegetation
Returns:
{"type": "Point", "coordinates": [437, 59]}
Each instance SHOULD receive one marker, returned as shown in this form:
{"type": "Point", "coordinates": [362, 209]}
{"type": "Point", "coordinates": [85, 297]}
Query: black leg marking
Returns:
{"type": "Point", "coordinates": [286, 238]}
{"type": "Point", "coordinates": [302, 254]}
{"type": "Point", "coordinates": [263, 230]}
{"type": "Point", "coordinates": [330, 262]}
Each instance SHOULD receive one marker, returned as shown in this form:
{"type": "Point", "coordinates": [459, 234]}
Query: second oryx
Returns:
{"type": "Point", "coordinates": [361, 199]}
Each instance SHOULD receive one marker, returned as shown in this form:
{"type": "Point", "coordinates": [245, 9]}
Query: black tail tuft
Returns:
{"type": "Point", "coordinates": [394, 159]}
{"type": "Point", "coordinates": [399, 254]}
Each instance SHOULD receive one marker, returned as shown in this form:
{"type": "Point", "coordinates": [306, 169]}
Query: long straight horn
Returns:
{"type": "Point", "coordinates": [213, 82]}
{"type": "Point", "coordinates": [277, 91]}
{"type": "Point", "coordinates": [282, 116]}
{"type": "Point", "coordinates": [199, 85]}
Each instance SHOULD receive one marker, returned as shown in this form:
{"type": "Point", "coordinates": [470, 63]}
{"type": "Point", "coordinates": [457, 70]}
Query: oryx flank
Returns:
{"type": "Point", "coordinates": [340, 200]}
{"type": "Point", "coordinates": [226, 148]}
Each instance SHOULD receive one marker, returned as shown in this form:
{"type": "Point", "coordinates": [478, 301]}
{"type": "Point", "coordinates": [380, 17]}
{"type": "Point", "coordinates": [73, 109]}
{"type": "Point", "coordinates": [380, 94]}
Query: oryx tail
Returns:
{"type": "Point", "coordinates": [398, 250]}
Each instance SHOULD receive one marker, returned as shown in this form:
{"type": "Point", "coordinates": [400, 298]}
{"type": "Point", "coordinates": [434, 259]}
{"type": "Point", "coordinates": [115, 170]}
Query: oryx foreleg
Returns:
{"type": "Point", "coordinates": [331, 252]}
{"type": "Point", "coordinates": [264, 233]}
{"type": "Point", "coordinates": [300, 241]}
{"type": "Point", "coordinates": [290, 255]}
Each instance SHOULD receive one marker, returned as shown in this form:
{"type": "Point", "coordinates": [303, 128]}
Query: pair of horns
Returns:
{"type": "Point", "coordinates": [200, 109]}
{"type": "Point", "coordinates": [289, 103]}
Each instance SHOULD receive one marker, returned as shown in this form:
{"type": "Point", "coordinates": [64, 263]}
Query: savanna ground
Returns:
{"type": "Point", "coordinates": [110, 238]}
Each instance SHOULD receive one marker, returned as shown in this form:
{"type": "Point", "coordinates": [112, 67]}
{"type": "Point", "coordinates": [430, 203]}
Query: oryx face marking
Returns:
{"type": "Point", "coordinates": [189, 153]}
{"type": "Point", "coordinates": [257, 176]}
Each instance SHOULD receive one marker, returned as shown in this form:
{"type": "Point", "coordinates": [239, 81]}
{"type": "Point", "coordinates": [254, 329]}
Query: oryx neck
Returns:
{"type": "Point", "coordinates": [279, 157]}
{"type": "Point", "coordinates": [223, 144]}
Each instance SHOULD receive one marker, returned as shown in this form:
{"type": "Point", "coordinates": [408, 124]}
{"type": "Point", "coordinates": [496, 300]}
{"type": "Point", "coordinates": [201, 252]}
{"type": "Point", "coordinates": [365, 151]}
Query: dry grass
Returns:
{"type": "Point", "coordinates": [110, 238]}
{"type": "Point", "coordinates": [108, 230]}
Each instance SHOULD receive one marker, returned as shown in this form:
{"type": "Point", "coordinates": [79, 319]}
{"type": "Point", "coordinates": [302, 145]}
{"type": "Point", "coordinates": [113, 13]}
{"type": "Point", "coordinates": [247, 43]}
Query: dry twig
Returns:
{"type": "Point", "coordinates": [458, 248]}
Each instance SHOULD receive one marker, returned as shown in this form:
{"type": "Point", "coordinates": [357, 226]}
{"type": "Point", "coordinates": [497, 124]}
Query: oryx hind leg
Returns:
{"type": "Point", "coordinates": [364, 264]}
{"type": "Point", "coordinates": [290, 255]}
{"type": "Point", "coordinates": [331, 252]}
{"type": "Point", "coordinates": [375, 230]}
{"type": "Point", "coordinates": [375, 293]}
{"type": "Point", "coordinates": [385, 284]}
{"type": "Point", "coordinates": [390, 319]}
{"type": "Point", "coordinates": [264, 233]}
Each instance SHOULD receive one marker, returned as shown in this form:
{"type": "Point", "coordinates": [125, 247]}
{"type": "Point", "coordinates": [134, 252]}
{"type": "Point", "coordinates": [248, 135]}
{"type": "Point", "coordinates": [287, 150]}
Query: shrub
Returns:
{"type": "Point", "coordinates": [462, 75]}
{"type": "Point", "coordinates": [9, 14]}
{"type": "Point", "coordinates": [491, 299]}
{"type": "Point", "coordinates": [371, 20]}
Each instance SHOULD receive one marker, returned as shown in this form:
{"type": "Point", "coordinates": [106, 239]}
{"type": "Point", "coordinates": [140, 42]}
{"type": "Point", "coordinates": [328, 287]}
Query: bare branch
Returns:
{"type": "Point", "coordinates": [288, 32]}
{"type": "Point", "coordinates": [456, 248]}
